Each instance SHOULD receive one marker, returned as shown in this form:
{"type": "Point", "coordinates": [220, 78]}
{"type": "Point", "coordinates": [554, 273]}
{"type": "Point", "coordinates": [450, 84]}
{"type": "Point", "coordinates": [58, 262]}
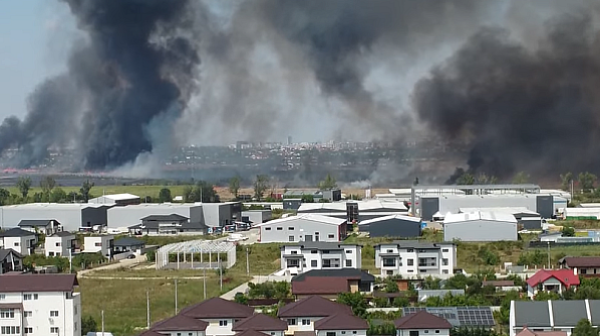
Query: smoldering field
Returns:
{"type": "Point", "coordinates": [515, 82]}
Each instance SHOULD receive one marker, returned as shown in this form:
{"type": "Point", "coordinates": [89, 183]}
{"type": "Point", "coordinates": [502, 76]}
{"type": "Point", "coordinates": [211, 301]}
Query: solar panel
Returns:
{"type": "Point", "coordinates": [459, 316]}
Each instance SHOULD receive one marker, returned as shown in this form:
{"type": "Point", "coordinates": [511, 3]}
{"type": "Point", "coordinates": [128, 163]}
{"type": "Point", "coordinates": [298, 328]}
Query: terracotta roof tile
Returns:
{"type": "Point", "coordinates": [180, 322]}
{"type": "Point", "coordinates": [37, 283]}
{"type": "Point", "coordinates": [217, 308]}
{"type": "Point", "coordinates": [313, 306]}
{"type": "Point", "coordinates": [260, 322]}
{"type": "Point", "coordinates": [422, 320]}
{"type": "Point", "coordinates": [148, 333]}
{"type": "Point", "coordinates": [341, 322]}
{"type": "Point", "coordinates": [565, 276]}
{"type": "Point", "coordinates": [251, 332]}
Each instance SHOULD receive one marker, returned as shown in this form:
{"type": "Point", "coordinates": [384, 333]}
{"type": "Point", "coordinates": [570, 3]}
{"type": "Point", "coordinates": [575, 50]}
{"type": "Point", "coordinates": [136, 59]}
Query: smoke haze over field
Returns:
{"type": "Point", "coordinates": [514, 79]}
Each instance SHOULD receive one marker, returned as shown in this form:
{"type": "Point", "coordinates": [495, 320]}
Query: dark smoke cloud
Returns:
{"type": "Point", "coordinates": [521, 108]}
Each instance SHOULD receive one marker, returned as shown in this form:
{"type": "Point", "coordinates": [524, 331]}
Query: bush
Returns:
{"type": "Point", "coordinates": [151, 255]}
{"type": "Point", "coordinates": [240, 298]}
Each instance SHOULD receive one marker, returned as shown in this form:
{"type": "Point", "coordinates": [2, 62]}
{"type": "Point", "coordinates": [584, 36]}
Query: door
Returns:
{"type": "Point", "coordinates": [308, 238]}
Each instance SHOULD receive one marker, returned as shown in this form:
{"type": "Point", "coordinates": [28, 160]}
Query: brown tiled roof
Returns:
{"type": "Point", "coordinates": [498, 283]}
{"type": "Point", "coordinates": [313, 306]}
{"type": "Point", "coordinates": [422, 320]}
{"type": "Point", "coordinates": [341, 322]}
{"type": "Point", "coordinates": [320, 285]}
{"type": "Point", "coordinates": [582, 261]}
{"type": "Point", "coordinates": [528, 332]}
{"type": "Point", "coordinates": [250, 332]}
{"type": "Point", "coordinates": [180, 322]}
{"type": "Point", "coordinates": [38, 283]}
{"type": "Point", "coordinates": [260, 322]}
{"type": "Point", "coordinates": [149, 333]}
{"type": "Point", "coordinates": [217, 308]}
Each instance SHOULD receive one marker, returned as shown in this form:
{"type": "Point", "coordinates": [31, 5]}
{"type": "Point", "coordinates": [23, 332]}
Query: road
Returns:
{"type": "Point", "coordinates": [127, 263]}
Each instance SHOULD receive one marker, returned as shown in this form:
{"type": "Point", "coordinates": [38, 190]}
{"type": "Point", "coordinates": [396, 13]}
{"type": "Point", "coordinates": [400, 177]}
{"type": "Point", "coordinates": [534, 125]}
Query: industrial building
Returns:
{"type": "Point", "coordinates": [116, 199]}
{"type": "Point", "coordinates": [72, 217]}
{"type": "Point", "coordinates": [355, 210]}
{"type": "Point", "coordinates": [305, 227]}
{"type": "Point", "coordinates": [317, 195]}
{"type": "Point", "coordinates": [529, 220]}
{"type": "Point", "coordinates": [256, 216]}
{"type": "Point", "coordinates": [398, 226]}
{"type": "Point", "coordinates": [480, 226]}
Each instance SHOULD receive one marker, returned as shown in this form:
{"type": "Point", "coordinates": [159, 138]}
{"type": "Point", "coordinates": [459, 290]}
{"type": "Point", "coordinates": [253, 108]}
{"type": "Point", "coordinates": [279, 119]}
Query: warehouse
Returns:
{"type": "Point", "coordinates": [117, 199]}
{"type": "Point", "coordinates": [355, 210]}
{"type": "Point", "coordinates": [398, 226]}
{"type": "Point", "coordinates": [530, 220]}
{"type": "Point", "coordinates": [256, 216]}
{"type": "Point", "coordinates": [72, 217]}
{"type": "Point", "coordinates": [306, 227]}
{"type": "Point", "coordinates": [480, 226]}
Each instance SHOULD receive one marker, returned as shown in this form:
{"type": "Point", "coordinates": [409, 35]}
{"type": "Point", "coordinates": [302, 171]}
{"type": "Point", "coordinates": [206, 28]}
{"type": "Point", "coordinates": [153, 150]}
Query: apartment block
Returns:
{"type": "Point", "coordinates": [410, 258]}
{"type": "Point", "coordinates": [307, 256]}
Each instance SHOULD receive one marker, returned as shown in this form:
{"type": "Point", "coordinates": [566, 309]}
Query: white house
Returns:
{"type": "Point", "coordinates": [410, 258]}
{"type": "Point", "coordinates": [421, 324]}
{"type": "Point", "coordinates": [303, 228]}
{"type": "Point", "coordinates": [10, 261]}
{"type": "Point", "coordinates": [341, 325]}
{"type": "Point", "coordinates": [43, 226]}
{"type": "Point", "coordinates": [129, 244]}
{"type": "Point", "coordinates": [60, 244]}
{"type": "Point", "coordinates": [180, 325]}
{"type": "Point", "coordinates": [40, 304]}
{"type": "Point", "coordinates": [303, 257]}
{"type": "Point", "coordinates": [302, 315]}
{"type": "Point", "coordinates": [219, 314]}
{"type": "Point", "coordinates": [22, 241]}
{"type": "Point", "coordinates": [102, 243]}
{"type": "Point", "coordinates": [552, 281]}
{"type": "Point", "coordinates": [263, 323]}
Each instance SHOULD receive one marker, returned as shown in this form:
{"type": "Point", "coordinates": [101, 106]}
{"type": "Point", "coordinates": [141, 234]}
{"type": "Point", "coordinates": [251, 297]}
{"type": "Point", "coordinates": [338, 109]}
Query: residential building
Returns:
{"type": "Point", "coordinates": [411, 258]}
{"type": "Point", "coordinates": [528, 332]}
{"type": "Point", "coordinates": [552, 315]}
{"type": "Point", "coordinates": [180, 325]}
{"type": "Point", "coordinates": [399, 226]}
{"type": "Point", "coordinates": [551, 281]}
{"type": "Point", "coordinates": [299, 258]}
{"type": "Point", "coordinates": [341, 324]}
{"type": "Point", "coordinates": [129, 244]}
{"type": "Point", "coordinates": [583, 266]}
{"type": "Point", "coordinates": [100, 243]}
{"type": "Point", "coordinates": [252, 332]}
{"type": "Point", "coordinates": [257, 216]}
{"type": "Point", "coordinates": [72, 216]}
{"type": "Point", "coordinates": [421, 323]}
{"type": "Point", "coordinates": [263, 323]}
{"type": "Point", "coordinates": [480, 226]}
{"type": "Point", "coordinates": [22, 241]}
{"type": "Point", "coordinates": [116, 199]}
{"type": "Point", "coordinates": [62, 243]}
{"type": "Point", "coordinates": [329, 283]}
{"type": "Point", "coordinates": [167, 224]}
{"type": "Point", "coordinates": [40, 304]}
{"type": "Point", "coordinates": [11, 261]}
{"type": "Point", "coordinates": [44, 226]}
{"type": "Point", "coordinates": [220, 314]}
{"type": "Point", "coordinates": [303, 228]}
{"type": "Point", "coordinates": [302, 315]}
{"type": "Point", "coordinates": [459, 317]}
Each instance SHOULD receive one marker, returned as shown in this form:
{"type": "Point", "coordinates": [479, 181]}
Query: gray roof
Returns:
{"type": "Point", "coordinates": [320, 245]}
{"type": "Point", "coordinates": [568, 313]}
{"type": "Point", "coordinates": [62, 234]}
{"type": "Point", "coordinates": [344, 272]}
{"type": "Point", "coordinates": [532, 314]}
{"type": "Point", "coordinates": [418, 244]}
{"type": "Point", "coordinates": [171, 217]}
{"type": "Point", "coordinates": [595, 311]}
{"type": "Point", "coordinates": [128, 241]}
{"type": "Point", "coordinates": [16, 232]}
{"type": "Point", "coordinates": [36, 222]}
{"type": "Point", "coordinates": [153, 225]}
{"type": "Point", "coordinates": [5, 252]}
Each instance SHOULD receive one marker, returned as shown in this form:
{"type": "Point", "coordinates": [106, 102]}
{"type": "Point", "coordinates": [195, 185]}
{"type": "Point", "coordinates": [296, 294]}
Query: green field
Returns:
{"type": "Point", "coordinates": [142, 191]}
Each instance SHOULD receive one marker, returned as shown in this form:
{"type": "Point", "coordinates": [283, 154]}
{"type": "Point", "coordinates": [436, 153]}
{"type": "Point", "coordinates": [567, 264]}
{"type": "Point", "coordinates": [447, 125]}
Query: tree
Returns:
{"type": "Point", "coordinates": [466, 179]}
{"type": "Point", "coordinates": [261, 184]}
{"type": "Point", "coordinates": [85, 189]}
{"type": "Point", "coordinates": [47, 184]}
{"type": "Point", "coordinates": [328, 183]}
{"type": "Point", "coordinates": [24, 184]}
{"type": "Point", "coordinates": [587, 181]}
{"type": "Point", "coordinates": [88, 324]}
{"type": "Point", "coordinates": [204, 192]}
{"type": "Point", "coordinates": [521, 178]}
{"type": "Point", "coordinates": [568, 231]}
{"type": "Point", "coordinates": [391, 286]}
{"type": "Point", "coordinates": [234, 186]}
{"type": "Point", "coordinates": [584, 328]}
{"type": "Point", "coordinates": [187, 193]}
{"type": "Point", "coordinates": [240, 298]}
{"type": "Point", "coordinates": [164, 195]}
{"type": "Point", "coordinates": [58, 195]}
{"type": "Point", "coordinates": [356, 301]}
{"type": "Point", "coordinates": [566, 180]}
{"type": "Point", "coordinates": [4, 196]}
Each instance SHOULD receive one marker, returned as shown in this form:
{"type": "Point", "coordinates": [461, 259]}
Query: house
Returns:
{"type": "Point", "coordinates": [421, 323]}
{"type": "Point", "coordinates": [22, 241]}
{"type": "Point", "coordinates": [551, 281]}
{"type": "Point", "coordinates": [116, 199]}
{"type": "Point", "coordinates": [528, 332]}
{"type": "Point", "coordinates": [62, 243]}
{"type": "Point", "coordinates": [40, 304]}
{"type": "Point", "coordinates": [341, 324]}
{"type": "Point", "coordinates": [329, 283]}
{"type": "Point", "coordinates": [298, 258]}
{"type": "Point", "coordinates": [220, 314]}
{"type": "Point", "coordinates": [307, 228]}
{"type": "Point", "coordinates": [256, 216]}
{"type": "Point", "coordinates": [480, 226]}
{"type": "Point", "coordinates": [102, 243]}
{"type": "Point", "coordinates": [502, 285]}
{"type": "Point", "coordinates": [71, 216]}
{"type": "Point", "coordinates": [263, 323]}
{"type": "Point", "coordinates": [302, 315]}
{"type": "Point", "coordinates": [167, 224]}
{"type": "Point", "coordinates": [44, 226]}
{"type": "Point", "coordinates": [411, 258]}
{"type": "Point", "coordinates": [180, 325]}
{"type": "Point", "coordinates": [392, 226]}
{"type": "Point", "coordinates": [459, 317]}
{"type": "Point", "coordinates": [129, 244]}
{"type": "Point", "coordinates": [551, 315]}
{"type": "Point", "coordinates": [584, 266]}
{"type": "Point", "coordinates": [11, 261]}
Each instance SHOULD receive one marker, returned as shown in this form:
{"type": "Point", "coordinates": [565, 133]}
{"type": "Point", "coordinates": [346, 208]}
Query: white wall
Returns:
{"type": "Point", "coordinates": [64, 244]}
{"type": "Point", "coordinates": [349, 252]}
{"type": "Point", "coordinates": [130, 215]}
{"type": "Point", "coordinates": [69, 217]}
{"type": "Point", "coordinates": [182, 333]}
{"type": "Point", "coordinates": [280, 232]}
{"type": "Point", "coordinates": [90, 244]}
{"type": "Point", "coordinates": [480, 230]}
{"type": "Point", "coordinates": [19, 244]}
{"type": "Point", "coordinates": [402, 267]}
{"type": "Point", "coordinates": [425, 332]}
{"type": "Point", "coordinates": [214, 328]}
{"type": "Point", "coordinates": [342, 332]}
{"type": "Point", "coordinates": [310, 326]}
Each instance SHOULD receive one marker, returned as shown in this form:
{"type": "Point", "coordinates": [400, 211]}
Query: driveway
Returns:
{"type": "Point", "coordinates": [128, 263]}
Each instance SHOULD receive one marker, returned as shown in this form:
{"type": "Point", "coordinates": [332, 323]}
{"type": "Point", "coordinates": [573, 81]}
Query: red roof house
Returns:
{"type": "Point", "coordinates": [551, 281]}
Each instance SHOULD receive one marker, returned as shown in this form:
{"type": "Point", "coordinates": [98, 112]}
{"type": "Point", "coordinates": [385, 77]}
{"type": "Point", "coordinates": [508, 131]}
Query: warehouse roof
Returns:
{"type": "Point", "coordinates": [506, 210]}
{"type": "Point", "coordinates": [395, 217]}
{"type": "Point", "coordinates": [119, 197]}
{"type": "Point", "coordinates": [474, 216]}
{"type": "Point", "coordinates": [55, 206]}
{"type": "Point", "coordinates": [362, 205]}
{"type": "Point", "coordinates": [308, 217]}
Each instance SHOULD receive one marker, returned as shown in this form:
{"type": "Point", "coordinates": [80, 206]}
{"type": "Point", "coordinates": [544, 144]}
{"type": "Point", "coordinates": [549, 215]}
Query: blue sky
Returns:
{"type": "Point", "coordinates": [34, 37]}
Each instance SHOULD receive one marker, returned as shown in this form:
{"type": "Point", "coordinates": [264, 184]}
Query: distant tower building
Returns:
{"type": "Point", "coordinates": [289, 140]}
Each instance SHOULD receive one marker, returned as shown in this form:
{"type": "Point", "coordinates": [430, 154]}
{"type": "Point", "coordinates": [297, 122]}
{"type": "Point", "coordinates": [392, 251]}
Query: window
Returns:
{"type": "Point", "coordinates": [314, 251]}
{"type": "Point", "coordinates": [27, 297]}
{"type": "Point", "coordinates": [437, 331]}
{"type": "Point", "coordinates": [410, 251]}
{"type": "Point", "coordinates": [35, 296]}
{"type": "Point", "coordinates": [268, 229]}
{"type": "Point", "coordinates": [27, 313]}
{"type": "Point", "coordinates": [54, 330]}
{"type": "Point", "coordinates": [313, 263]}
{"type": "Point", "coordinates": [75, 327]}
{"type": "Point", "coordinates": [54, 313]}
{"type": "Point", "coordinates": [28, 330]}
{"type": "Point", "coordinates": [445, 262]}
{"type": "Point", "coordinates": [12, 330]}
{"type": "Point", "coordinates": [583, 271]}
{"type": "Point", "coordinates": [294, 252]}
{"type": "Point", "coordinates": [413, 333]}
{"type": "Point", "coordinates": [291, 321]}
{"type": "Point", "coordinates": [343, 333]}
{"type": "Point", "coordinates": [444, 271]}
{"type": "Point", "coordinates": [57, 244]}
{"type": "Point", "coordinates": [51, 254]}
{"type": "Point", "coordinates": [223, 323]}
{"type": "Point", "coordinates": [98, 244]}
{"type": "Point", "coordinates": [16, 243]}
{"type": "Point", "coordinates": [348, 263]}
{"type": "Point", "coordinates": [427, 331]}
{"type": "Point", "coordinates": [291, 238]}
{"type": "Point", "coordinates": [305, 322]}
{"type": "Point", "coordinates": [354, 332]}
{"type": "Point", "coordinates": [389, 251]}
{"type": "Point", "coordinates": [74, 310]}
{"type": "Point", "coordinates": [291, 228]}
{"type": "Point", "coordinates": [330, 333]}
{"type": "Point", "coordinates": [7, 313]}
{"type": "Point", "coordinates": [348, 251]}
{"type": "Point", "coordinates": [445, 250]}
{"type": "Point", "coordinates": [410, 262]}
{"type": "Point", "coordinates": [330, 236]}
{"type": "Point", "coordinates": [389, 262]}
{"type": "Point", "coordinates": [279, 228]}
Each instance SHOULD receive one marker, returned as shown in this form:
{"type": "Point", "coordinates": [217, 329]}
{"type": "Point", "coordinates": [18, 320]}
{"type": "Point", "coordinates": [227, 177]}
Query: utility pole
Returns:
{"type": "Point", "coordinates": [220, 271]}
{"type": "Point", "coordinates": [70, 259]}
{"type": "Point", "coordinates": [204, 278]}
{"type": "Point", "coordinates": [549, 263]}
{"type": "Point", "coordinates": [148, 308]}
{"type": "Point", "coordinates": [176, 310]}
{"type": "Point", "coordinates": [103, 322]}
{"type": "Point", "coordinates": [247, 262]}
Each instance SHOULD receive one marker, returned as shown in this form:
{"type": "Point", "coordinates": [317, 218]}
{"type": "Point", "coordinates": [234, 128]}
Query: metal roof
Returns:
{"type": "Point", "coordinates": [485, 216]}
{"type": "Point", "coordinates": [507, 210]}
{"type": "Point", "coordinates": [396, 217]}
{"type": "Point", "coordinates": [118, 197]}
{"type": "Point", "coordinates": [204, 246]}
{"type": "Point", "coordinates": [308, 217]}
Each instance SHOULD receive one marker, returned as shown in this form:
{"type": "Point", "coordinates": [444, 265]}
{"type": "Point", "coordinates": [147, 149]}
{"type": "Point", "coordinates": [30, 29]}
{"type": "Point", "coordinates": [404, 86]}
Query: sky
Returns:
{"type": "Point", "coordinates": [35, 37]}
